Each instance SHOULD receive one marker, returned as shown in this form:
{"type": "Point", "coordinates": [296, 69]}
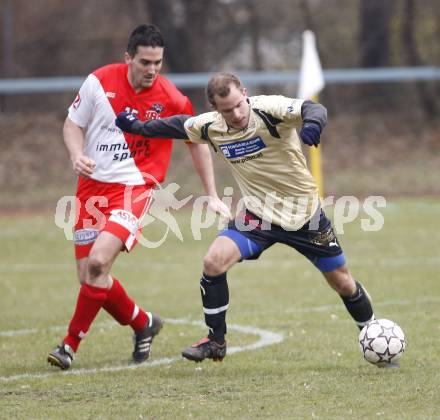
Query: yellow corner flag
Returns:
{"type": "Point", "coordinates": [311, 82]}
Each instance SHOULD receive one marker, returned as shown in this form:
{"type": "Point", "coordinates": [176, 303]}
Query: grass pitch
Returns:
{"type": "Point", "coordinates": [317, 371]}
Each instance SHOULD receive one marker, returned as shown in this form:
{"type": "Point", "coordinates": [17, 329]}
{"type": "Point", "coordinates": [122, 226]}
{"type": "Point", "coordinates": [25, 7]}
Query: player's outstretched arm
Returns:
{"type": "Point", "coordinates": [171, 127]}
{"type": "Point", "coordinates": [314, 117]}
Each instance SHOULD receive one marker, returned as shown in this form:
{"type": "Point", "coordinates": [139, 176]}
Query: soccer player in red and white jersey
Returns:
{"type": "Point", "coordinates": [117, 172]}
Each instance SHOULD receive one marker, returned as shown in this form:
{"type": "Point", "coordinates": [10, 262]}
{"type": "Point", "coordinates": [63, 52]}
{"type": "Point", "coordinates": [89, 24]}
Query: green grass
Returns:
{"type": "Point", "coordinates": [316, 372]}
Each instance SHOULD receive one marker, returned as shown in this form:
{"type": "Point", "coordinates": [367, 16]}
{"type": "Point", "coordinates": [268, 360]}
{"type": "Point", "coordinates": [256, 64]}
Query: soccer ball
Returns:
{"type": "Point", "coordinates": [382, 342]}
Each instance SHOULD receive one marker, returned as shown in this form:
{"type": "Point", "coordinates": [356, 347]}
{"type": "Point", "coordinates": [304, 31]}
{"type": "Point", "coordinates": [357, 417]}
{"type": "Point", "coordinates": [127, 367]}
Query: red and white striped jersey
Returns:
{"type": "Point", "coordinates": [121, 157]}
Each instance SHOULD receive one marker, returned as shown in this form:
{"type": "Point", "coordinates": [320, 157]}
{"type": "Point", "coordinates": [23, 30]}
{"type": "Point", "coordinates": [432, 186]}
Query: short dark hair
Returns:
{"type": "Point", "coordinates": [220, 84]}
{"type": "Point", "coordinates": [146, 35]}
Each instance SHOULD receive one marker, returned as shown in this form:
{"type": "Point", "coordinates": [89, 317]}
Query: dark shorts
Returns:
{"type": "Point", "coordinates": [318, 243]}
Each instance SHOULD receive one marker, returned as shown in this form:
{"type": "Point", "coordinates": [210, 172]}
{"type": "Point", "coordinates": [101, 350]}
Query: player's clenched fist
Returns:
{"type": "Point", "coordinates": [128, 122]}
{"type": "Point", "coordinates": [310, 134]}
{"type": "Point", "coordinates": [83, 165]}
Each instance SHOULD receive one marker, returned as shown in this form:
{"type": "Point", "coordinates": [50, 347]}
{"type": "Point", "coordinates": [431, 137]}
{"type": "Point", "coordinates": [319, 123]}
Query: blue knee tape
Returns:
{"type": "Point", "coordinates": [246, 246]}
{"type": "Point", "coordinates": [330, 263]}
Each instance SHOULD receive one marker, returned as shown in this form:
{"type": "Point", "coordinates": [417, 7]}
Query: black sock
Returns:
{"type": "Point", "coordinates": [215, 298]}
{"type": "Point", "coordinates": [359, 306]}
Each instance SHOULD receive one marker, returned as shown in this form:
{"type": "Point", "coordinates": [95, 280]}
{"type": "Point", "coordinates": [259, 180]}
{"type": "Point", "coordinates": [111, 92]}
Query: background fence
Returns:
{"type": "Point", "coordinates": [381, 62]}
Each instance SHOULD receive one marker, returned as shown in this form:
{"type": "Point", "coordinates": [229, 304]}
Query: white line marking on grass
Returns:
{"type": "Point", "coordinates": [181, 321]}
{"type": "Point", "coordinates": [68, 267]}
{"type": "Point", "coordinates": [431, 207]}
{"type": "Point", "coordinates": [76, 372]}
{"type": "Point", "coordinates": [13, 333]}
{"type": "Point", "coordinates": [395, 262]}
{"type": "Point", "coordinates": [358, 262]}
{"type": "Point", "coordinates": [325, 308]}
{"type": "Point", "coordinates": [266, 338]}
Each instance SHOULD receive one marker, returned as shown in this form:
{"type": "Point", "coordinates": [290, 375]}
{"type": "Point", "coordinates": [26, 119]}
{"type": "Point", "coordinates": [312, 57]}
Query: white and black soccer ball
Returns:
{"type": "Point", "coordinates": [382, 342]}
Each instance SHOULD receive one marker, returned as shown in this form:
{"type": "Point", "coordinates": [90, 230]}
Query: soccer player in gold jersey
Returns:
{"type": "Point", "coordinates": [258, 138]}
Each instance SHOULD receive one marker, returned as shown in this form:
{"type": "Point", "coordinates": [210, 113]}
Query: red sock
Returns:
{"type": "Point", "coordinates": [90, 301]}
{"type": "Point", "coordinates": [122, 308]}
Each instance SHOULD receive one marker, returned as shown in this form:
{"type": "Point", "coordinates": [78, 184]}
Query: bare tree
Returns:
{"type": "Point", "coordinates": [413, 58]}
{"type": "Point", "coordinates": [7, 35]}
{"type": "Point", "coordinates": [374, 40]}
{"type": "Point", "coordinates": [192, 29]}
{"type": "Point", "coordinates": [255, 34]}
{"type": "Point", "coordinates": [374, 47]}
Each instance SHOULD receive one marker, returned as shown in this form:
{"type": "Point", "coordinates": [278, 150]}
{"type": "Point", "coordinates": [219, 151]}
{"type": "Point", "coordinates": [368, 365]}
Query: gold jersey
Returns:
{"type": "Point", "coordinates": [265, 158]}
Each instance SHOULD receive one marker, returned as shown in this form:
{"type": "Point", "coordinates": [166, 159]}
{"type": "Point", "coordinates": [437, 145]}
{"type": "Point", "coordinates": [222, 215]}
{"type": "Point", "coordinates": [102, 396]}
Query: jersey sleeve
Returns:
{"type": "Point", "coordinates": [82, 107]}
{"type": "Point", "coordinates": [286, 109]}
{"type": "Point", "coordinates": [193, 128]}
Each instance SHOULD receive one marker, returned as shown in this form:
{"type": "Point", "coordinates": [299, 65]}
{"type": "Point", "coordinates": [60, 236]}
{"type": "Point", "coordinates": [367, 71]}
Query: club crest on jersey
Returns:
{"type": "Point", "coordinates": [154, 112]}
